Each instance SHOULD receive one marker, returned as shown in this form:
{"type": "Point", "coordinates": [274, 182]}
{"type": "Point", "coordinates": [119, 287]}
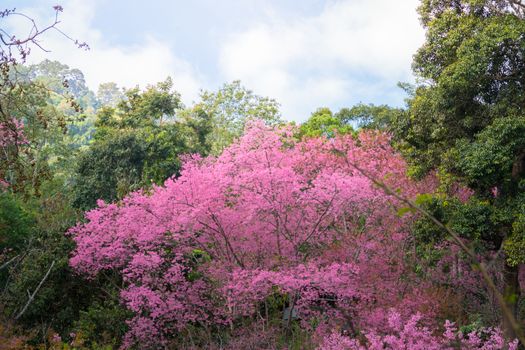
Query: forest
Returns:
{"type": "Point", "coordinates": [131, 220]}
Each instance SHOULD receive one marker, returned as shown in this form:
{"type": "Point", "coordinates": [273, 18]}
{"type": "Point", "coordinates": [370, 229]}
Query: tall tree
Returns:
{"type": "Point", "coordinates": [108, 94]}
{"type": "Point", "coordinates": [360, 116]}
{"type": "Point", "coordinates": [467, 119]}
{"type": "Point", "coordinates": [369, 116]}
{"type": "Point", "coordinates": [136, 144]}
{"type": "Point", "coordinates": [64, 82]}
{"type": "Point", "coordinates": [229, 108]}
{"type": "Point", "coordinates": [324, 123]}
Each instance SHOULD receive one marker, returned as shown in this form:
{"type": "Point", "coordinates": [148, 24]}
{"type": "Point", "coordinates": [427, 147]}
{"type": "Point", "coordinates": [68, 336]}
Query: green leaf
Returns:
{"type": "Point", "coordinates": [403, 211]}
{"type": "Point", "coordinates": [422, 199]}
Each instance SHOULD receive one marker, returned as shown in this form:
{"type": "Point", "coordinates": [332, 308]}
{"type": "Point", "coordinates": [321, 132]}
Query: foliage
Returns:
{"type": "Point", "coordinates": [229, 109]}
{"type": "Point", "coordinates": [34, 131]}
{"type": "Point", "coordinates": [109, 170]}
{"type": "Point", "coordinates": [471, 64]}
{"type": "Point", "coordinates": [63, 81]}
{"type": "Point", "coordinates": [369, 116]}
{"type": "Point", "coordinates": [466, 120]}
{"type": "Point", "coordinates": [136, 144]}
{"type": "Point", "coordinates": [324, 123]}
{"type": "Point", "coordinates": [102, 323]}
{"type": "Point", "coordinates": [62, 295]}
{"type": "Point", "coordinates": [109, 95]}
{"type": "Point", "coordinates": [15, 222]}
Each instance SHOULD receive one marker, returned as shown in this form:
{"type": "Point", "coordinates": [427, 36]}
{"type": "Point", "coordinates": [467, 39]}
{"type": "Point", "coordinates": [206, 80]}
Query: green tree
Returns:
{"type": "Point", "coordinates": [63, 81]}
{"type": "Point", "coordinates": [467, 119]}
{"type": "Point", "coordinates": [39, 291]}
{"type": "Point", "coordinates": [137, 144]}
{"type": "Point", "coordinates": [33, 243]}
{"type": "Point", "coordinates": [229, 109]}
{"type": "Point", "coordinates": [324, 123]}
{"type": "Point", "coordinates": [26, 165]}
{"type": "Point", "coordinates": [109, 169]}
{"type": "Point", "coordinates": [361, 116]}
{"type": "Point", "coordinates": [369, 116]}
{"type": "Point", "coordinates": [15, 223]}
{"type": "Point", "coordinates": [108, 94]}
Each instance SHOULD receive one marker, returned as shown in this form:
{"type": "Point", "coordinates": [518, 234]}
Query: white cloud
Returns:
{"type": "Point", "coordinates": [146, 62]}
{"type": "Point", "coordinates": [351, 51]}
{"type": "Point", "coordinates": [355, 49]}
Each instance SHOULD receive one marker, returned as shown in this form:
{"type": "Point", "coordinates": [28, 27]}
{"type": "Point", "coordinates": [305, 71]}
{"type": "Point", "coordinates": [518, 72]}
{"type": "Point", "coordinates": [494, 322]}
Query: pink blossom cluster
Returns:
{"type": "Point", "coordinates": [409, 334]}
{"type": "Point", "coordinates": [272, 214]}
{"type": "Point", "coordinates": [311, 286]}
{"type": "Point", "coordinates": [11, 133]}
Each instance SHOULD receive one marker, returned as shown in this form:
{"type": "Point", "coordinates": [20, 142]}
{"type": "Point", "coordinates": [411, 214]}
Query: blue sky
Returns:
{"type": "Point", "coordinates": [306, 54]}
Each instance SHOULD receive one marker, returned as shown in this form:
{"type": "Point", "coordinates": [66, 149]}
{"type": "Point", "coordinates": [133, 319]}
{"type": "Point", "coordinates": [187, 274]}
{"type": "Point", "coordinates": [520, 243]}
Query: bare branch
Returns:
{"type": "Point", "coordinates": [4, 265]}
{"type": "Point", "coordinates": [11, 44]}
{"type": "Point", "coordinates": [32, 296]}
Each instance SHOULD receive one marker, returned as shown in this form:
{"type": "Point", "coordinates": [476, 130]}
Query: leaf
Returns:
{"type": "Point", "coordinates": [403, 211]}
{"type": "Point", "coordinates": [423, 198]}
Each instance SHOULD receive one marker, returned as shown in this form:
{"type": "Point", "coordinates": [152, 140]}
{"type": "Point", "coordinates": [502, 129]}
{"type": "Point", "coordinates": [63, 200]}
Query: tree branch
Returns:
{"type": "Point", "coordinates": [4, 265]}
{"type": "Point", "coordinates": [32, 296]}
{"type": "Point", "coordinates": [507, 313]}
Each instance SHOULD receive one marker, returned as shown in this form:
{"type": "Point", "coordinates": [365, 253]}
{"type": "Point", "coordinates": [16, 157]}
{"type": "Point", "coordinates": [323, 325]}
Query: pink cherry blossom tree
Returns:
{"type": "Point", "coordinates": [272, 216]}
